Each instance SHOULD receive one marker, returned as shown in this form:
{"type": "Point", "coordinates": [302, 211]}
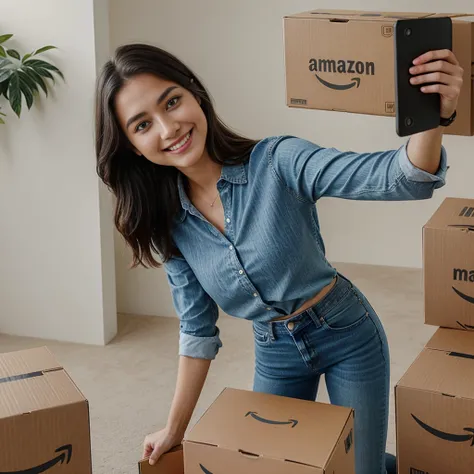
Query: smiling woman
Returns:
{"type": "Point", "coordinates": [235, 224]}
{"type": "Point", "coordinates": [151, 110]}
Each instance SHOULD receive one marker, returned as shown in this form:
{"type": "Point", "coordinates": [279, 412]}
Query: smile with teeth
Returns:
{"type": "Point", "coordinates": [181, 143]}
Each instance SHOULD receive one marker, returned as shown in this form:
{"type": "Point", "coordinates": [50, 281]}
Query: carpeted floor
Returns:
{"type": "Point", "coordinates": [130, 382]}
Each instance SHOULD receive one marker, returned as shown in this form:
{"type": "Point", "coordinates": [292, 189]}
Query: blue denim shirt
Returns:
{"type": "Point", "coordinates": [271, 258]}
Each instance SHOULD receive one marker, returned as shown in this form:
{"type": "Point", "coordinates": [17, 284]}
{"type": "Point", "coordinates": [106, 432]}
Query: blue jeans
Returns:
{"type": "Point", "coordinates": [342, 338]}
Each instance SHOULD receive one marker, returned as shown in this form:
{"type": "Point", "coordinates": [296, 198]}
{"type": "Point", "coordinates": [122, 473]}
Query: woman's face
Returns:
{"type": "Point", "coordinates": [162, 120]}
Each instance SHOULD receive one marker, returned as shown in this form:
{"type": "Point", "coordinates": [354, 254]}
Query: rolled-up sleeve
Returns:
{"type": "Point", "coordinates": [412, 173]}
{"type": "Point", "coordinates": [310, 172]}
{"type": "Point", "coordinates": [197, 311]}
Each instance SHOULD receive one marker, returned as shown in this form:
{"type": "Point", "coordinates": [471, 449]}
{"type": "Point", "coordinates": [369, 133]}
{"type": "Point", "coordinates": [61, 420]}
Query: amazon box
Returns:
{"type": "Point", "coordinates": [171, 462]}
{"type": "Point", "coordinates": [44, 418]}
{"type": "Point", "coordinates": [344, 60]}
{"type": "Point", "coordinates": [256, 433]}
{"type": "Point", "coordinates": [435, 407]}
{"type": "Point", "coordinates": [448, 265]}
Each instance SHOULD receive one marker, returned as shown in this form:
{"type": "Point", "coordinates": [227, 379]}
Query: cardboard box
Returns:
{"type": "Point", "coordinates": [256, 433]}
{"type": "Point", "coordinates": [44, 418]}
{"type": "Point", "coordinates": [171, 462]}
{"type": "Point", "coordinates": [435, 407]}
{"type": "Point", "coordinates": [344, 60]}
{"type": "Point", "coordinates": [448, 265]}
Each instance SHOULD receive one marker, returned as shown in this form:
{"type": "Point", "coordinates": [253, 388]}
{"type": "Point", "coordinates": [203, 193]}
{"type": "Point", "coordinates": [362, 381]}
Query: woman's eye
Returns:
{"type": "Point", "coordinates": [172, 102]}
{"type": "Point", "coordinates": [141, 126]}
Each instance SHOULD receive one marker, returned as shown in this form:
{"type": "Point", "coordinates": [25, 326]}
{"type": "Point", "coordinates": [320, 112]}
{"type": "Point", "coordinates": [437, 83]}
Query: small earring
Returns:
{"type": "Point", "coordinates": [191, 80]}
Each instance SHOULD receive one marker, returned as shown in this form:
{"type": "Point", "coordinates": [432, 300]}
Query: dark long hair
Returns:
{"type": "Point", "coordinates": [146, 193]}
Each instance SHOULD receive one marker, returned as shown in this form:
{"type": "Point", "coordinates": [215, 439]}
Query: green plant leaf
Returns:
{"type": "Point", "coordinates": [4, 38]}
{"type": "Point", "coordinates": [3, 52]}
{"type": "Point", "coordinates": [13, 53]}
{"type": "Point", "coordinates": [45, 73]}
{"type": "Point", "coordinates": [26, 56]}
{"type": "Point", "coordinates": [5, 62]}
{"type": "Point", "coordinates": [3, 87]}
{"type": "Point", "coordinates": [14, 94]}
{"type": "Point", "coordinates": [30, 81]}
{"type": "Point", "coordinates": [38, 63]}
{"type": "Point", "coordinates": [26, 91]}
{"type": "Point", "coordinates": [5, 74]}
{"type": "Point", "coordinates": [38, 79]}
{"type": "Point", "coordinates": [43, 49]}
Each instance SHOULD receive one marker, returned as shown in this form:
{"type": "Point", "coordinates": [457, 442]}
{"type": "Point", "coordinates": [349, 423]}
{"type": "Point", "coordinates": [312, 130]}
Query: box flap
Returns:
{"type": "Point", "coordinates": [357, 15]}
{"type": "Point", "coordinates": [33, 380]}
{"type": "Point", "coordinates": [272, 426]}
{"type": "Point", "coordinates": [446, 370]}
{"type": "Point", "coordinates": [453, 213]}
{"type": "Point", "coordinates": [172, 462]}
{"type": "Point", "coordinates": [452, 340]}
{"type": "Point", "coordinates": [22, 363]}
{"type": "Point", "coordinates": [454, 16]}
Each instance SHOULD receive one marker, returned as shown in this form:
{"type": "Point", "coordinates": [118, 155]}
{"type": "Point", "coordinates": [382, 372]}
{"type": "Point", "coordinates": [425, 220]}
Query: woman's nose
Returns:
{"type": "Point", "coordinates": [168, 128]}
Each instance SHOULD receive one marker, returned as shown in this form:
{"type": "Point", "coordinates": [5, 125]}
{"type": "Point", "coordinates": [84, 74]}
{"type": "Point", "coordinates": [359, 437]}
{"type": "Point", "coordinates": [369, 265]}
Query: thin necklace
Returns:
{"type": "Point", "coordinates": [212, 203]}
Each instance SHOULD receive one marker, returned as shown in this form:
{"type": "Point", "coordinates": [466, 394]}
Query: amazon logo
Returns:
{"type": "Point", "coordinates": [460, 274]}
{"type": "Point", "coordinates": [65, 456]}
{"type": "Point", "coordinates": [203, 469]}
{"type": "Point", "coordinates": [453, 437]}
{"type": "Point", "coordinates": [255, 416]}
{"type": "Point", "coordinates": [341, 66]}
{"type": "Point", "coordinates": [466, 326]}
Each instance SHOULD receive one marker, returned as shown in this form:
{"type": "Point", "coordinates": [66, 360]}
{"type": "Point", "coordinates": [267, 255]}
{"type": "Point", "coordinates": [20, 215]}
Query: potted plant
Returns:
{"type": "Point", "coordinates": [23, 77]}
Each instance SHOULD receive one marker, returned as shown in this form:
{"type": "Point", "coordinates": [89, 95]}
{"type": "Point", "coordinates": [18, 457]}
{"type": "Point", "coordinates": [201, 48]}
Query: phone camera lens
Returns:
{"type": "Point", "coordinates": [408, 32]}
{"type": "Point", "coordinates": [408, 121]}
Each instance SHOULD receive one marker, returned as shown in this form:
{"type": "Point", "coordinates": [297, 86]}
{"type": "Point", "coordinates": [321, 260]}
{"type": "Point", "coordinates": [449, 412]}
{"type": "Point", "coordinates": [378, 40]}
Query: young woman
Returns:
{"type": "Point", "coordinates": [235, 224]}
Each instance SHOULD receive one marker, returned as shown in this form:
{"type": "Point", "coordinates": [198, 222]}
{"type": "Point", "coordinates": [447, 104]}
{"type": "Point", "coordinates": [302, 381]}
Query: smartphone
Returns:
{"type": "Point", "coordinates": [417, 111]}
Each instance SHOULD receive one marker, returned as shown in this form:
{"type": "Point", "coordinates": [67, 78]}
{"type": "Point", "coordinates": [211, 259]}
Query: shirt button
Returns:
{"type": "Point", "coordinates": [241, 272]}
{"type": "Point", "coordinates": [291, 326]}
{"type": "Point", "coordinates": [255, 294]}
{"type": "Point", "coordinates": [268, 309]}
{"type": "Point", "coordinates": [231, 247]}
{"type": "Point", "coordinates": [227, 220]}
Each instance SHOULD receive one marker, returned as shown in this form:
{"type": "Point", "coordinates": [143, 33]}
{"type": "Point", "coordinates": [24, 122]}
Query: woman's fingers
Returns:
{"type": "Point", "coordinates": [437, 77]}
{"type": "Point", "coordinates": [444, 54]}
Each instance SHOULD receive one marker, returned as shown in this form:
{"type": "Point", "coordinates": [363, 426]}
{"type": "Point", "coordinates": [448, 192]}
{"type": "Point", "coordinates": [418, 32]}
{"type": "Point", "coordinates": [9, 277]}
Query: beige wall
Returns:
{"type": "Point", "coordinates": [57, 271]}
{"type": "Point", "coordinates": [236, 47]}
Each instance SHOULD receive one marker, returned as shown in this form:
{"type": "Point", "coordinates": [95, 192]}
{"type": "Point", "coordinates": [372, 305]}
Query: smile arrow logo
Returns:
{"type": "Point", "coordinates": [465, 326]}
{"type": "Point", "coordinates": [455, 438]}
{"type": "Point", "coordinates": [468, 298]}
{"type": "Point", "coordinates": [64, 456]}
{"type": "Point", "coordinates": [339, 87]}
{"type": "Point", "coordinates": [204, 469]}
{"type": "Point", "coordinates": [255, 416]}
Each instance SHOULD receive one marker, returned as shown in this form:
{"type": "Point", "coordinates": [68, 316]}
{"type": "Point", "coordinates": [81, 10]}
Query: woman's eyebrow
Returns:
{"type": "Point", "coordinates": [158, 102]}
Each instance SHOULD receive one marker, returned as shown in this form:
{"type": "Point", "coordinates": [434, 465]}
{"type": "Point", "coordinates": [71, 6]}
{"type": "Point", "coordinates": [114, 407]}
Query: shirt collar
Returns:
{"type": "Point", "coordinates": [236, 174]}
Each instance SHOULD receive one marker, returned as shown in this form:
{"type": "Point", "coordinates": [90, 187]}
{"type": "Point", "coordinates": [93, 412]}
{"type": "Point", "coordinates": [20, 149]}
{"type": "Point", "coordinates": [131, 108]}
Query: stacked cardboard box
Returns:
{"type": "Point", "coordinates": [343, 60]}
{"type": "Point", "coordinates": [256, 433]}
{"type": "Point", "coordinates": [44, 418]}
{"type": "Point", "coordinates": [435, 397]}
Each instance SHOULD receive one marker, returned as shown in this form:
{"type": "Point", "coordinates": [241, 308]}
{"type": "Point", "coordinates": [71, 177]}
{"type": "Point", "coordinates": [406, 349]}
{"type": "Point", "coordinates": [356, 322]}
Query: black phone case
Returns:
{"type": "Point", "coordinates": [417, 111]}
